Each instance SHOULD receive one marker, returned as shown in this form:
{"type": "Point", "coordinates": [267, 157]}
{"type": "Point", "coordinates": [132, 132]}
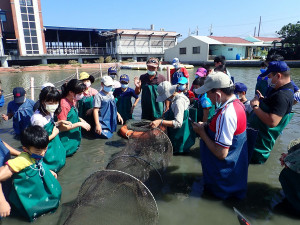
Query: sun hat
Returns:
{"type": "Point", "coordinates": [152, 62]}
{"type": "Point", "coordinates": [175, 62]}
{"type": "Point", "coordinates": [86, 76]}
{"type": "Point", "coordinates": [182, 80]}
{"type": "Point", "coordinates": [47, 85]}
{"type": "Point", "coordinates": [165, 90]}
{"type": "Point", "coordinates": [215, 80]}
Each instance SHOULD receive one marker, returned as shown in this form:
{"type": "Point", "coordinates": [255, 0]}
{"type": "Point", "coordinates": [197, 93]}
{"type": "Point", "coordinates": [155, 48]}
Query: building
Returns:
{"type": "Point", "coordinates": [24, 39]}
{"type": "Point", "coordinates": [196, 49]}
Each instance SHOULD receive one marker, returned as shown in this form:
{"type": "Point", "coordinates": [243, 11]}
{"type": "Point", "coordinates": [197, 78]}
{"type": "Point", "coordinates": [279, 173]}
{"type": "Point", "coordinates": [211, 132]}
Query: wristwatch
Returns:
{"type": "Point", "coordinates": [255, 106]}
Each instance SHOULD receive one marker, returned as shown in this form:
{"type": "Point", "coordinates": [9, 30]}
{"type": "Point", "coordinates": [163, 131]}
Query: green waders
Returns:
{"type": "Point", "coordinates": [151, 109]}
{"type": "Point", "coordinates": [71, 139]}
{"type": "Point", "coordinates": [266, 135]}
{"type": "Point", "coordinates": [35, 191]}
{"type": "Point", "coordinates": [55, 157]}
{"type": "Point", "coordinates": [182, 138]}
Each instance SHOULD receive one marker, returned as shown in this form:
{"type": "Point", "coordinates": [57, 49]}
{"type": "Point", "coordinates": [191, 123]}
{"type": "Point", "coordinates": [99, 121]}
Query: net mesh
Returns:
{"type": "Point", "coordinates": [113, 197]}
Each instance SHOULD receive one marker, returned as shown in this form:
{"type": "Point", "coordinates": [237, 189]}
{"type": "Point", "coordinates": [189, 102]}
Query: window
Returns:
{"type": "Point", "coordinates": [2, 16]}
{"type": "Point", "coordinates": [22, 2]}
{"type": "Point", "coordinates": [29, 2]}
{"type": "Point", "coordinates": [23, 10]}
{"type": "Point", "coordinates": [196, 50]}
{"type": "Point", "coordinates": [30, 10]}
{"type": "Point", "coordinates": [24, 17]}
{"type": "Point", "coordinates": [182, 51]}
{"type": "Point", "coordinates": [230, 49]}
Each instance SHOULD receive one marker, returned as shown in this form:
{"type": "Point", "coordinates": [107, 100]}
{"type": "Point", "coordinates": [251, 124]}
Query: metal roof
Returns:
{"type": "Point", "coordinates": [76, 28]}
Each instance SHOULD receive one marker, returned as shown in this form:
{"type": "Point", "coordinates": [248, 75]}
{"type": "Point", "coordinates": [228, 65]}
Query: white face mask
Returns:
{"type": "Point", "coordinates": [151, 73]}
{"type": "Point", "coordinates": [51, 108]}
{"type": "Point", "coordinates": [270, 82]}
{"type": "Point", "coordinates": [88, 83]}
{"type": "Point", "coordinates": [79, 96]}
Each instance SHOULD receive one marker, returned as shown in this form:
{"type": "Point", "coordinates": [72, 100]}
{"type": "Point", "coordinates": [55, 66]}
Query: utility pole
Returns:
{"type": "Point", "coordinates": [254, 31]}
{"type": "Point", "coordinates": [197, 31]}
{"type": "Point", "coordinates": [210, 31]}
{"type": "Point", "coordinates": [189, 31]}
{"type": "Point", "coordinates": [259, 26]}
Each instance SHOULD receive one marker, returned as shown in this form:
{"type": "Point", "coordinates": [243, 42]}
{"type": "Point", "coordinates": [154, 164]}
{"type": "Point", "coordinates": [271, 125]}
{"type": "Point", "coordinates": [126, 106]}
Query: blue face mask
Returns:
{"type": "Point", "coordinates": [181, 87]}
{"type": "Point", "coordinates": [37, 157]}
{"type": "Point", "coordinates": [151, 73]}
{"type": "Point", "coordinates": [107, 88]}
{"type": "Point", "coordinates": [124, 86]}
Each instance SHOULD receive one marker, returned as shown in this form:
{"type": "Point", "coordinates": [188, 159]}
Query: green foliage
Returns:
{"type": "Point", "coordinates": [100, 60]}
{"type": "Point", "coordinates": [52, 65]}
{"type": "Point", "coordinates": [74, 63]}
{"type": "Point", "coordinates": [62, 66]}
{"type": "Point", "coordinates": [108, 59]}
{"type": "Point", "coordinates": [290, 33]}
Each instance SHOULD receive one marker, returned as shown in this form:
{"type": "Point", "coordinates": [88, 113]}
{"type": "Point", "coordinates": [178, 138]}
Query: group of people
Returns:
{"type": "Point", "coordinates": [214, 108]}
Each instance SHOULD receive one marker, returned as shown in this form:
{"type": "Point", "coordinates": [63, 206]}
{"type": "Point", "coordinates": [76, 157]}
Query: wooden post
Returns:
{"type": "Point", "coordinates": [100, 66]}
{"type": "Point", "coordinates": [77, 75]}
{"type": "Point", "coordinates": [32, 87]}
{"type": "Point", "coordinates": [168, 73]}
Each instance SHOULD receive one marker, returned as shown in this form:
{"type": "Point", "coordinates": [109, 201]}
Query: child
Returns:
{"type": "Point", "coordinates": [85, 105]}
{"type": "Point", "coordinates": [105, 110]}
{"type": "Point", "coordinates": [183, 87]}
{"type": "Point", "coordinates": [113, 73]}
{"type": "Point", "coordinates": [205, 108]}
{"type": "Point", "coordinates": [176, 118]}
{"type": "Point", "coordinates": [35, 189]}
{"type": "Point", "coordinates": [20, 109]}
{"type": "Point", "coordinates": [123, 98]}
{"type": "Point", "coordinates": [70, 134]}
{"type": "Point", "coordinates": [49, 99]}
{"type": "Point", "coordinates": [177, 72]}
{"type": "Point", "coordinates": [240, 92]}
{"type": "Point", "coordinates": [2, 100]}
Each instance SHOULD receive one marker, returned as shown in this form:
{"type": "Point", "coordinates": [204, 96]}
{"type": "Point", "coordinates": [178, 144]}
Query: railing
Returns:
{"type": "Point", "coordinates": [80, 51]}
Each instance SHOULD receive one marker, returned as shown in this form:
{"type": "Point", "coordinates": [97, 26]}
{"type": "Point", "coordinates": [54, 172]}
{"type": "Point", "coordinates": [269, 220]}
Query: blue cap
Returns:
{"type": "Point", "coordinates": [182, 80]}
{"type": "Point", "coordinates": [240, 87]}
{"type": "Point", "coordinates": [275, 66]}
{"type": "Point", "coordinates": [19, 95]}
{"type": "Point", "coordinates": [124, 77]}
{"type": "Point", "coordinates": [112, 70]}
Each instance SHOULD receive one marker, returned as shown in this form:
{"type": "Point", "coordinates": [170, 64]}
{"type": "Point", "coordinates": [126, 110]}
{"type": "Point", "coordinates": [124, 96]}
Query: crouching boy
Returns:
{"type": "Point", "coordinates": [35, 189]}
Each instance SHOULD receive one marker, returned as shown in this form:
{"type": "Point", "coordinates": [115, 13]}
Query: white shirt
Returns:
{"type": "Point", "coordinates": [39, 119]}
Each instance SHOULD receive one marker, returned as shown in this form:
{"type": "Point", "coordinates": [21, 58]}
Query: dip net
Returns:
{"type": "Point", "coordinates": [122, 194]}
{"type": "Point", "coordinates": [112, 198]}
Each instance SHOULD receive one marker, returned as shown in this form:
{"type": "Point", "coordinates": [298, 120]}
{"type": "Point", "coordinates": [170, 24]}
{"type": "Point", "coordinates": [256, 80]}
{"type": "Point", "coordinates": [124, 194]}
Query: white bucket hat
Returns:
{"type": "Point", "coordinates": [165, 90]}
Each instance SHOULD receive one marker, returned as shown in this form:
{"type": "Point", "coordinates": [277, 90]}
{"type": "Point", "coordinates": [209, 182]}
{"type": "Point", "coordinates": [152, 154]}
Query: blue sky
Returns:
{"type": "Point", "coordinates": [228, 18]}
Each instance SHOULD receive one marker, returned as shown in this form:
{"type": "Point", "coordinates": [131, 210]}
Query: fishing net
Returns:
{"type": "Point", "coordinates": [138, 125]}
{"type": "Point", "coordinates": [112, 197]}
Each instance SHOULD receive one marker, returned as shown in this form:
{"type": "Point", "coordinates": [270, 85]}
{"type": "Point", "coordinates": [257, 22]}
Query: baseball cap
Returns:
{"type": "Point", "coordinates": [165, 90]}
{"type": "Point", "coordinates": [175, 61]}
{"type": "Point", "coordinates": [152, 62]}
{"type": "Point", "coordinates": [107, 81]}
{"type": "Point", "coordinates": [215, 80]}
{"type": "Point", "coordinates": [124, 77]}
{"type": "Point", "coordinates": [112, 70]}
{"type": "Point", "coordinates": [182, 80]}
{"type": "Point", "coordinates": [19, 94]}
{"type": "Point", "coordinates": [275, 66]}
{"type": "Point", "coordinates": [47, 85]}
{"type": "Point", "coordinates": [201, 72]}
{"type": "Point", "coordinates": [240, 87]}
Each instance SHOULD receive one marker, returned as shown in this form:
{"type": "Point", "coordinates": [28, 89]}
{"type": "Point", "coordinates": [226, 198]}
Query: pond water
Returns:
{"type": "Point", "coordinates": [181, 200]}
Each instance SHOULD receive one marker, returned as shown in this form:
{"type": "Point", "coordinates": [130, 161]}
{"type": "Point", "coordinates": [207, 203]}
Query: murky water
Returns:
{"type": "Point", "coordinates": [180, 201]}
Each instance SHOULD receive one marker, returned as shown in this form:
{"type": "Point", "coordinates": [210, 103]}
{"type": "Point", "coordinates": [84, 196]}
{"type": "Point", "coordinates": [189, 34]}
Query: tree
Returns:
{"type": "Point", "coordinates": [290, 33]}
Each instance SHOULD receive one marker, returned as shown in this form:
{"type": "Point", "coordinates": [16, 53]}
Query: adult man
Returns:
{"type": "Point", "coordinates": [20, 109]}
{"type": "Point", "coordinates": [147, 83]}
{"type": "Point", "coordinates": [223, 146]}
{"type": "Point", "coordinates": [272, 113]}
{"type": "Point", "coordinates": [177, 72]}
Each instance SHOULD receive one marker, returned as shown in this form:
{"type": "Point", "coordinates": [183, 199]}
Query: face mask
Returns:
{"type": "Point", "coordinates": [263, 70]}
{"type": "Point", "coordinates": [181, 87]}
{"type": "Point", "coordinates": [151, 73]}
{"type": "Point", "coordinates": [124, 86]}
{"type": "Point", "coordinates": [78, 97]}
{"type": "Point", "coordinates": [107, 88]}
{"type": "Point", "coordinates": [176, 66]}
{"type": "Point", "coordinates": [36, 157]}
{"type": "Point", "coordinates": [112, 76]}
{"type": "Point", "coordinates": [88, 83]}
{"type": "Point", "coordinates": [51, 108]}
{"type": "Point", "coordinates": [218, 104]}
{"type": "Point", "coordinates": [270, 83]}
{"type": "Point", "coordinates": [196, 76]}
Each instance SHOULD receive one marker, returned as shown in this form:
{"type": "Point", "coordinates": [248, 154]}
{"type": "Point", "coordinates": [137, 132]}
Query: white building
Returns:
{"type": "Point", "coordinates": [195, 49]}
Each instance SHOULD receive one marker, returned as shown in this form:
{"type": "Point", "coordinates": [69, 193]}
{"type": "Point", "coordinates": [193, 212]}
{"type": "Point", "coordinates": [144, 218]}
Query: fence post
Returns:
{"type": "Point", "coordinates": [77, 75]}
{"type": "Point", "coordinates": [32, 87]}
{"type": "Point", "coordinates": [168, 73]}
{"type": "Point", "coordinates": [100, 66]}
